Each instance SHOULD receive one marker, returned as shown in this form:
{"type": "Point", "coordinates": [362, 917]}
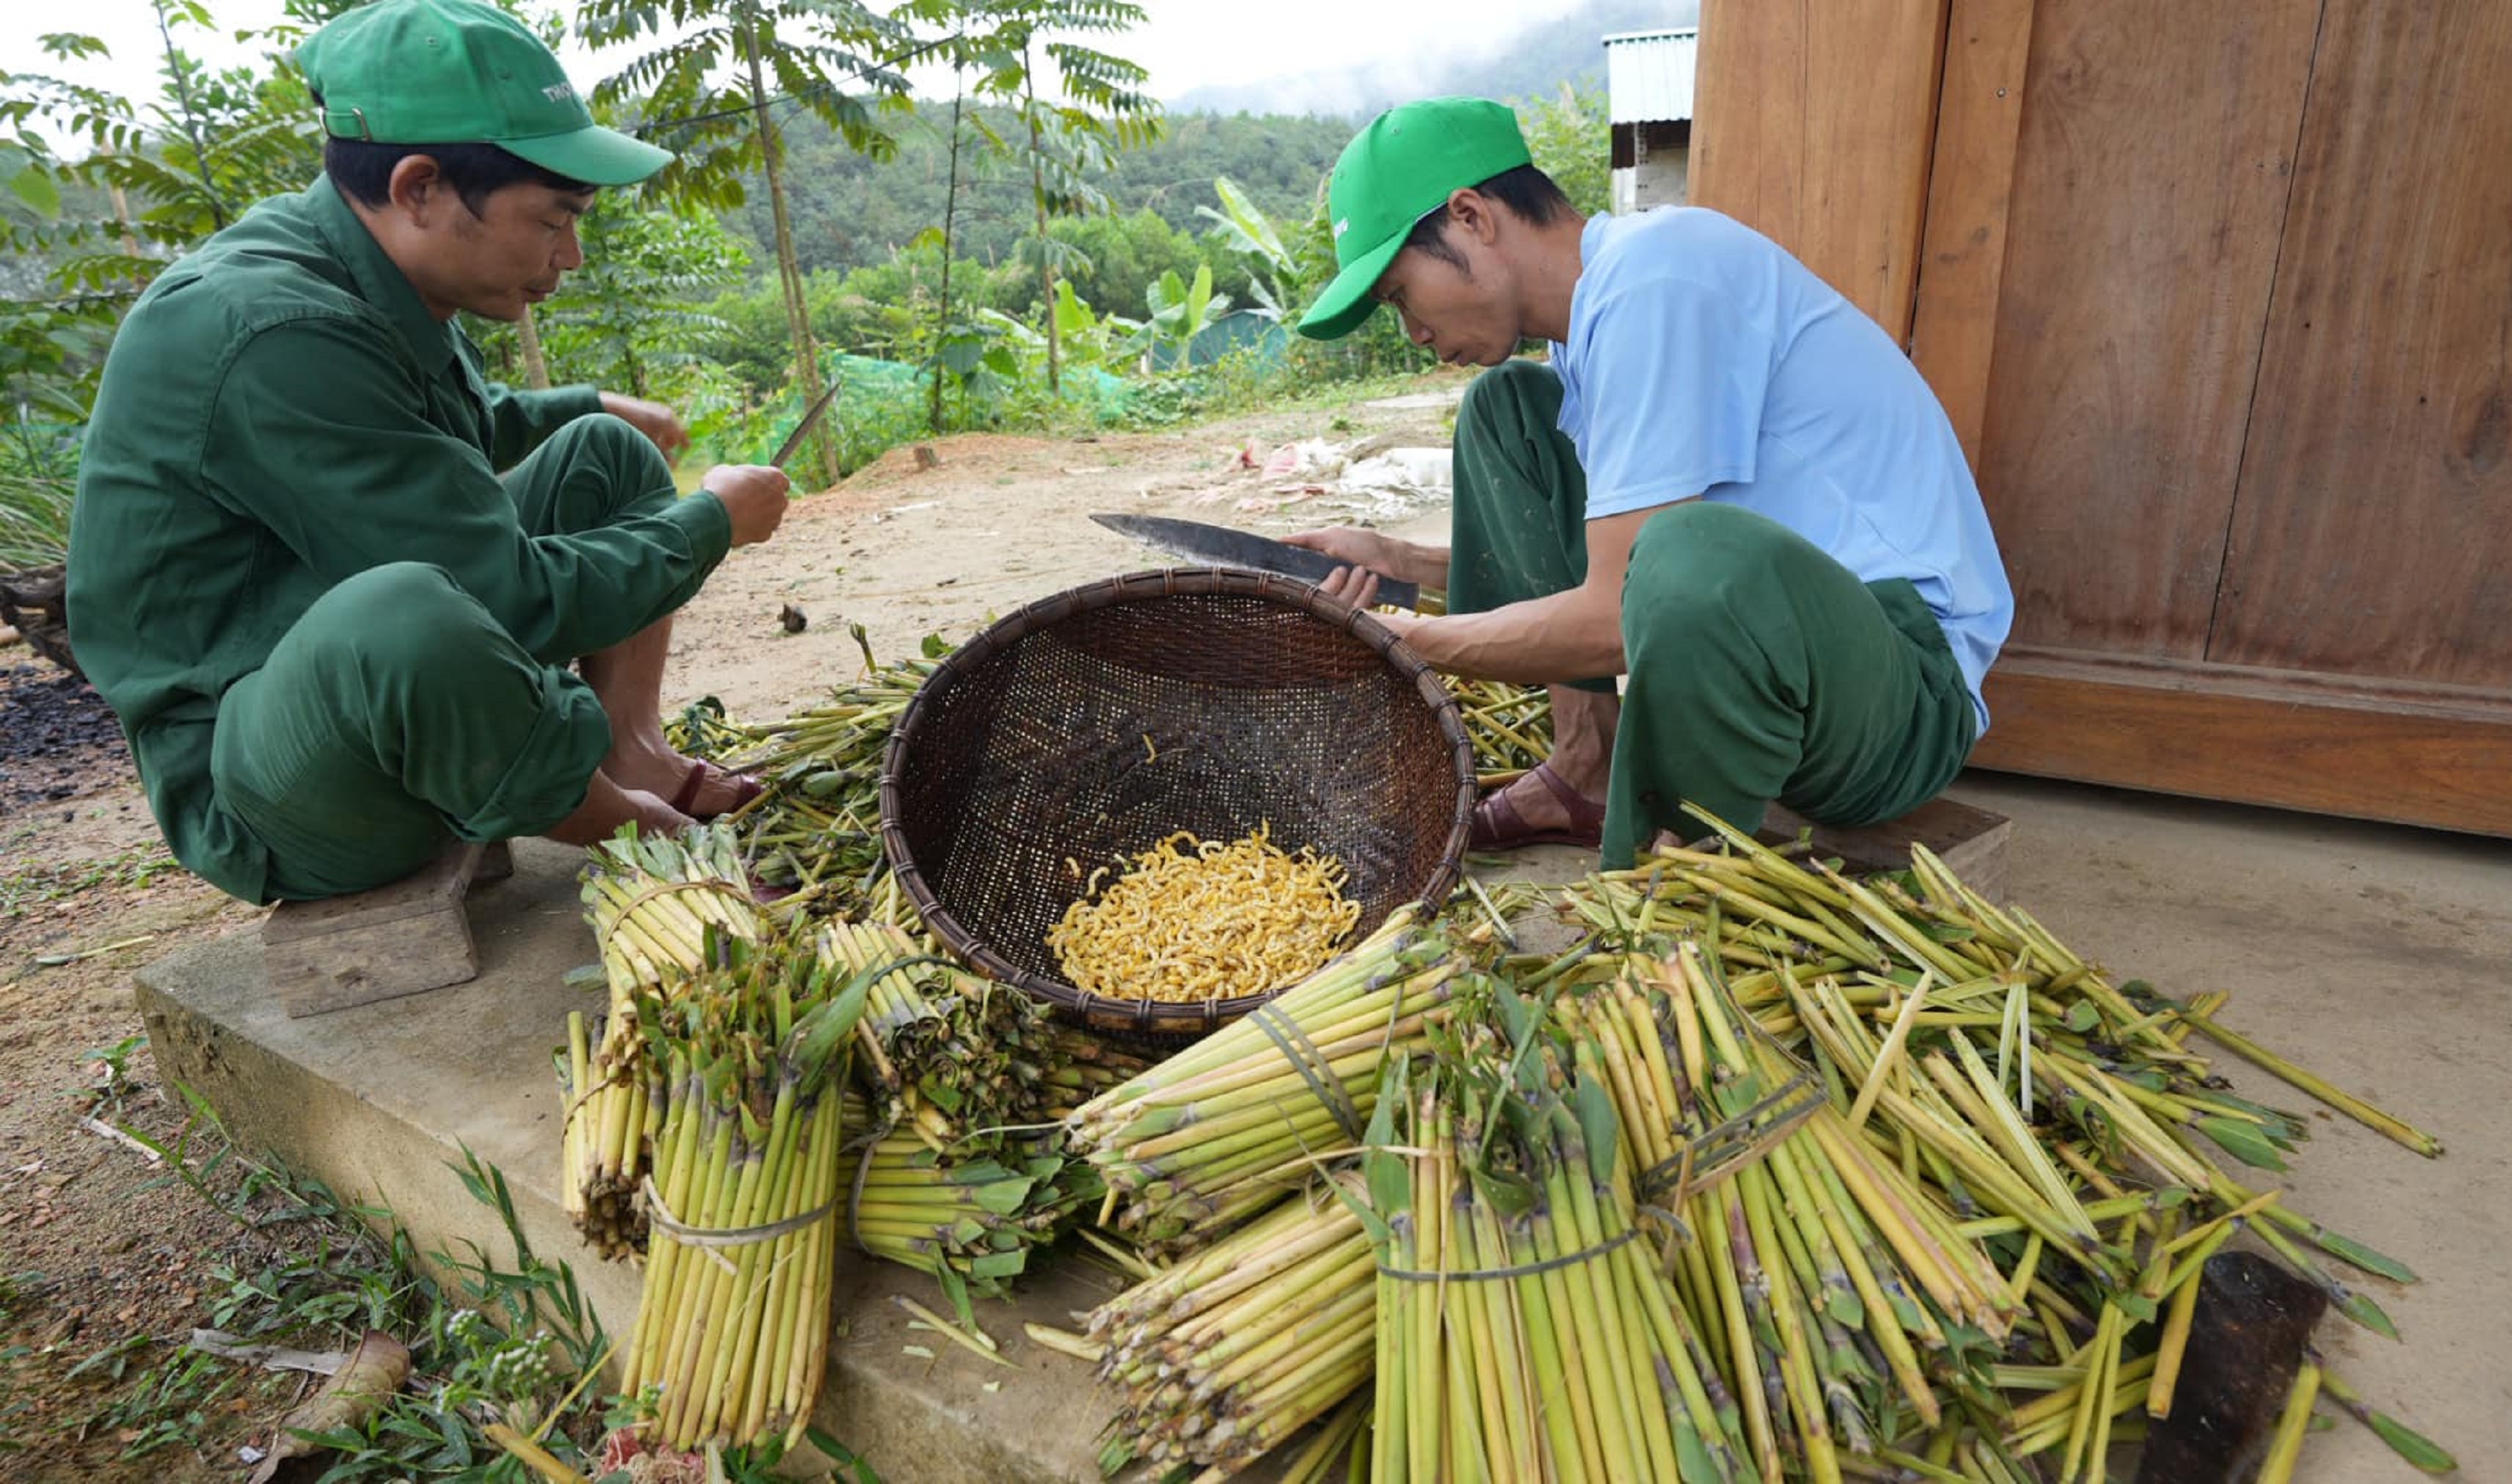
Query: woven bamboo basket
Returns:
{"type": "Point", "coordinates": [1089, 726]}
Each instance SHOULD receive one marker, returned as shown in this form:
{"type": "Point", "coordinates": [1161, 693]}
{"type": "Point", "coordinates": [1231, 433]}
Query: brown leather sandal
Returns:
{"type": "Point", "coordinates": [744, 788]}
{"type": "Point", "coordinates": [1498, 826]}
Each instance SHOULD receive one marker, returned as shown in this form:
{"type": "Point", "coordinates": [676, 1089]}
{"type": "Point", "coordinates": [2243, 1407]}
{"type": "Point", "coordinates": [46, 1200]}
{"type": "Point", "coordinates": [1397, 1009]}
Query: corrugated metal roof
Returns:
{"type": "Point", "coordinates": [1648, 75]}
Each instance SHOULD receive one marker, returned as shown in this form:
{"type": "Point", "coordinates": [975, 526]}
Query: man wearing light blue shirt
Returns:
{"type": "Point", "coordinates": [1727, 486]}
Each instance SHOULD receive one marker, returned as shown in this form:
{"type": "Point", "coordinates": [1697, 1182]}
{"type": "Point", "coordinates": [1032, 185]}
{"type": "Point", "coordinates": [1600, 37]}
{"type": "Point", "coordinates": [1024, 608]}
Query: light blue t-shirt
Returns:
{"type": "Point", "coordinates": [1704, 360]}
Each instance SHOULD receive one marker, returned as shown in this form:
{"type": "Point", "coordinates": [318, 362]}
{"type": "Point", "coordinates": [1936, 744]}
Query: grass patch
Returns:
{"type": "Point", "coordinates": [38, 476]}
{"type": "Point", "coordinates": [498, 1338]}
{"type": "Point", "coordinates": [132, 869]}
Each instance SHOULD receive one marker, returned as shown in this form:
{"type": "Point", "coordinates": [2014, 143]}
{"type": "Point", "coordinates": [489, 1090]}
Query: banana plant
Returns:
{"type": "Point", "coordinates": [1274, 275]}
{"type": "Point", "coordinates": [1181, 311]}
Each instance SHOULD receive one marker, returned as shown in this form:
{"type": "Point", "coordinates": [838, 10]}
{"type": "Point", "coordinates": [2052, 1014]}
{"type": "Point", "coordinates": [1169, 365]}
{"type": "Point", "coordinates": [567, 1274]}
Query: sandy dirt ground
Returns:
{"type": "Point", "coordinates": [1001, 522]}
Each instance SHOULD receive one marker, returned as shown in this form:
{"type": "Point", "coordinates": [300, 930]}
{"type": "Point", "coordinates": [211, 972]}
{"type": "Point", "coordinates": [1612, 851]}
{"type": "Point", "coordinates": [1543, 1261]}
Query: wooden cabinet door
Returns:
{"type": "Point", "coordinates": [2141, 243]}
{"type": "Point", "coordinates": [2371, 529]}
{"type": "Point", "coordinates": [2219, 298]}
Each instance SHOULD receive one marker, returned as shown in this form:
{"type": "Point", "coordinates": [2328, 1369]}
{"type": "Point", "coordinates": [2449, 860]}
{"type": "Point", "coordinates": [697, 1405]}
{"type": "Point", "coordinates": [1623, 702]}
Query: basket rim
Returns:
{"type": "Point", "coordinates": [1156, 1016]}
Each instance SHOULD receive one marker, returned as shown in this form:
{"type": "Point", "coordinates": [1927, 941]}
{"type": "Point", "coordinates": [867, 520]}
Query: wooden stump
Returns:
{"type": "Point", "coordinates": [400, 939]}
{"type": "Point", "coordinates": [1971, 841]}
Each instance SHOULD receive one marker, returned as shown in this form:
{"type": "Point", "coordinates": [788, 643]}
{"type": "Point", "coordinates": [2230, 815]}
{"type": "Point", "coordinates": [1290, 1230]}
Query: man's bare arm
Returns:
{"type": "Point", "coordinates": [1570, 635]}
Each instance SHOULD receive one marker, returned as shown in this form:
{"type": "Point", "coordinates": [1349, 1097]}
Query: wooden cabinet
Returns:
{"type": "Point", "coordinates": [2219, 299]}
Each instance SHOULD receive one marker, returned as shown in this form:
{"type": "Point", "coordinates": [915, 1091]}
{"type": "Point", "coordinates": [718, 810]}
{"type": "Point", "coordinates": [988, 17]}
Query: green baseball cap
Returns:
{"type": "Point", "coordinates": [462, 72]}
{"type": "Point", "coordinates": [1394, 173]}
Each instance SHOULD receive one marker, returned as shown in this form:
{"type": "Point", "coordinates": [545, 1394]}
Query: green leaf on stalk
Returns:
{"type": "Point", "coordinates": [1376, 1229]}
{"type": "Point", "coordinates": [2354, 1252]}
{"type": "Point", "coordinates": [1598, 1126]}
{"type": "Point", "coordinates": [2360, 1308]}
{"type": "Point", "coordinates": [2242, 1141]}
{"type": "Point", "coordinates": [2083, 1016]}
{"type": "Point", "coordinates": [2407, 1443]}
{"type": "Point", "coordinates": [2137, 1307]}
{"type": "Point", "coordinates": [1847, 1308]}
{"type": "Point", "coordinates": [1390, 1179]}
{"type": "Point", "coordinates": [1001, 1264]}
{"type": "Point", "coordinates": [1691, 1460]}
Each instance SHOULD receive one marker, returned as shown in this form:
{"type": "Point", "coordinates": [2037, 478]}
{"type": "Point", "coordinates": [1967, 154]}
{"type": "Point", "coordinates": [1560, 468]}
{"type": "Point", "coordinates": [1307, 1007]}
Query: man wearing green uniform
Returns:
{"type": "Point", "coordinates": [339, 637]}
{"type": "Point", "coordinates": [1725, 485]}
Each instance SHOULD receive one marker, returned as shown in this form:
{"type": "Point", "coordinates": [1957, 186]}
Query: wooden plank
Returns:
{"type": "Point", "coordinates": [2373, 531]}
{"type": "Point", "coordinates": [1962, 245]}
{"type": "Point", "coordinates": [2149, 184]}
{"type": "Point", "coordinates": [1813, 124]}
{"type": "Point", "coordinates": [1748, 134]}
{"type": "Point", "coordinates": [398, 939]}
{"type": "Point", "coordinates": [1971, 841]}
{"type": "Point", "coordinates": [2433, 756]}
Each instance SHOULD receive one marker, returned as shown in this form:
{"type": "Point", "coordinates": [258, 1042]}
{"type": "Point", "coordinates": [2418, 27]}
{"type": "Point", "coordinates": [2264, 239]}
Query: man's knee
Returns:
{"type": "Point", "coordinates": [587, 474]}
{"type": "Point", "coordinates": [1691, 561]}
{"type": "Point", "coordinates": [1511, 393]}
{"type": "Point", "coordinates": [399, 598]}
{"type": "Point", "coordinates": [404, 619]}
{"type": "Point", "coordinates": [615, 445]}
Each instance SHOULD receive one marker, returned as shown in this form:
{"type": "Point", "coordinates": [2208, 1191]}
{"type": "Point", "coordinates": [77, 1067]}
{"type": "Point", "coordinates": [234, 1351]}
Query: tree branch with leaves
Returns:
{"type": "Point", "coordinates": [831, 58]}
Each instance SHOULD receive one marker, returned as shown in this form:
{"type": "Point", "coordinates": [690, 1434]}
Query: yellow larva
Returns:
{"type": "Point", "coordinates": [1199, 920]}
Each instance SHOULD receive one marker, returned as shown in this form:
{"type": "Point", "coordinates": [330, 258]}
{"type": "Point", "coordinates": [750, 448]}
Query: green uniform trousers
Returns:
{"type": "Point", "coordinates": [397, 716]}
{"type": "Point", "coordinates": [1759, 668]}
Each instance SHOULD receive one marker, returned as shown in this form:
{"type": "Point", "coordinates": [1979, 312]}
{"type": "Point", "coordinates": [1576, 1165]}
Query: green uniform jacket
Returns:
{"type": "Point", "coordinates": [279, 411]}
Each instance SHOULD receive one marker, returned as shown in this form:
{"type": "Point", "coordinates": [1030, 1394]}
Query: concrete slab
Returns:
{"type": "Point", "coordinates": [376, 1100]}
{"type": "Point", "coordinates": [2376, 956]}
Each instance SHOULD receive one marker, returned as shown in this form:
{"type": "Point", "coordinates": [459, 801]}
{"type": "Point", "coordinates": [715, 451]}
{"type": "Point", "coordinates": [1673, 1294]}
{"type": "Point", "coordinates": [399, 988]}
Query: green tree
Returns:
{"type": "Point", "coordinates": [722, 129]}
{"type": "Point", "coordinates": [1095, 107]}
{"type": "Point", "coordinates": [637, 305]}
{"type": "Point", "coordinates": [1127, 254]}
{"type": "Point", "coordinates": [1571, 137]}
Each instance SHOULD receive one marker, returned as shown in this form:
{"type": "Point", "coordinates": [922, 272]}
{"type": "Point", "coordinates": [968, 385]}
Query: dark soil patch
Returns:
{"type": "Point", "coordinates": [58, 738]}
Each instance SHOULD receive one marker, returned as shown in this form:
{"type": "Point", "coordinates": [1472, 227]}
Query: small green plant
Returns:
{"type": "Point", "coordinates": [109, 1081]}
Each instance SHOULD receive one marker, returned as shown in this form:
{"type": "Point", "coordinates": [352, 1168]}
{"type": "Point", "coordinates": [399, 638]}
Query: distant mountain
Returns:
{"type": "Point", "coordinates": [1538, 59]}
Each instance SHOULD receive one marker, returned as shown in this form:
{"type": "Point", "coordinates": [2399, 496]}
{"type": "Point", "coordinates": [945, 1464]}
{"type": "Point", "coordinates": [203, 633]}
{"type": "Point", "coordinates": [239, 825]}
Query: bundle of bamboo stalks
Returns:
{"type": "Point", "coordinates": [1228, 1352]}
{"type": "Point", "coordinates": [662, 909]}
{"type": "Point", "coordinates": [1524, 1331]}
{"type": "Point", "coordinates": [731, 1333]}
{"type": "Point", "coordinates": [974, 1224]}
{"type": "Point", "coordinates": [965, 1065]}
{"type": "Point", "coordinates": [816, 830]}
{"type": "Point", "coordinates": [2031, 1149]}
{"type": "Point", "coordinates": [1209, 1138]}
{"type": "Point", "coordinates": [1510, 725]}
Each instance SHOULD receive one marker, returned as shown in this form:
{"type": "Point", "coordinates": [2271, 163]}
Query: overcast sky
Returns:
{"type": "Point", "coordinates": [1186, 44]}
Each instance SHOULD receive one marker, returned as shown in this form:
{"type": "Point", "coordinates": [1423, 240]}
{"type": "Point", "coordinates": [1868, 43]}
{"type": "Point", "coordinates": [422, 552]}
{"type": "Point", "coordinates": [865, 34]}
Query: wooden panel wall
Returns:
{"type": "Point", "coordinates": [2150, 179]}
{"type": "Point", "coordinates": [1815, 121]}
{"type": "Point", "coordinates": [2371, 533]}
{"type": "Point", "coordinates": [1962, 242]}
{"type": "Point", "coordinates": [2421, 756]}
